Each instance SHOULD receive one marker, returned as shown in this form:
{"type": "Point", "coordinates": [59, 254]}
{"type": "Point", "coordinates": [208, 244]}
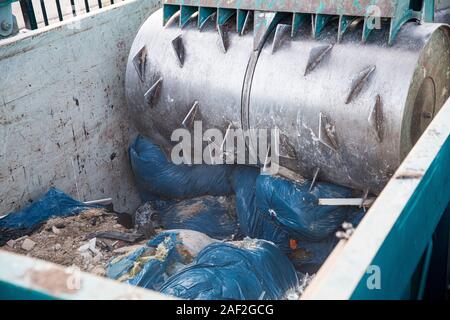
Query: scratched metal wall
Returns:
{"type": "Point", "coordinates": [63, 116]}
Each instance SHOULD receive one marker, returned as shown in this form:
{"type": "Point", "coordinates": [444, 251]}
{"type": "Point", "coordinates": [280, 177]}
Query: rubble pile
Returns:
{"type": "Point", "coordinates": [71, 241]}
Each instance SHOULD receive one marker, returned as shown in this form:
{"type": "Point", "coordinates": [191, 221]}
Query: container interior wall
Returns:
{"type": "Point", "coordinates": [63, 116]}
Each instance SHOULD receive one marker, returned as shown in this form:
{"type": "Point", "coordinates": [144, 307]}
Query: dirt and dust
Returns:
{"type": "Point", "coordinates": [69, 241]}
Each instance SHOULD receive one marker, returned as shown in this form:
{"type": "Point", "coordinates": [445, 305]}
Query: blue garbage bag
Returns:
{"type": "Point", "coordinates": [247, 270]}
{"type": "Point", "coordinates": [309, 256]}
{"type": "Point", "coordinates": [54, 203]}
{"type": "Point", "coordinates": [252, 222]}
{"type": "Point", "coordinates": [296, 209]}
{"type": "Point", "coordinates": [119, 266]}
{"type": "Point", "coordinates": [213, 216]}
{"type": "Point", "coordinates": [157, 176]}
{"type": "Point", "coordinates": [356, 216]}
{"type": "Point", "coordinates": [162, 256]}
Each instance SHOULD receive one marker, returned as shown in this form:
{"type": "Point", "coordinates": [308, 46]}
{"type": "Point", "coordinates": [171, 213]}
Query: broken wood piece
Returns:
{"type": "Point", "coordinates": [104, 201]}
{"type": "Point", "coordinates": [116, 235]}
{"type": "Point", "coordinates": [289, 174]}
{"type": "Point", "coordinates": [346, 201]}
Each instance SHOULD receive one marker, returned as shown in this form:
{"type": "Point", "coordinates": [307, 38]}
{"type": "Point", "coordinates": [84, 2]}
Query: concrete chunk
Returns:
{"type": "Point", "coordinates": [28, 244]}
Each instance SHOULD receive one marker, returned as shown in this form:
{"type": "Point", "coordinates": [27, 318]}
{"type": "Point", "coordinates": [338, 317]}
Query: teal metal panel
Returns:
{"type": "Point", "coordinates": [297, 20]}
{"type": "Point", "coordinates": [403, 13]}
{"type": "Point", "coordinates": [428, 11]}
{"type": "Point", "coordinates": [169, 11]}
{"type": "Point", "coordinates": [186, 14]}
{"type": "Point", "coordinates": [401, 252]}
{"type": "Point", "coordinates": [240, 19]}
{"type": "Point", "coordinates": [424, 271]}
{"type": "Point", "coordinates": [9, 291]}
{"type": "Point", "coordinates": [344, 23]}
{"type": "Point", "coordinates": [204, 14]}
{"type": "Point", "coordinates": [224, 14]}
{"type": "Point", "coordinates": [438, 274]}
{"type": "Point", "coordinates": [320, 21]}
{"type": "Point", "coordinates": [398, 11]}
{"type": "Point", "coordinates": [332, 7]}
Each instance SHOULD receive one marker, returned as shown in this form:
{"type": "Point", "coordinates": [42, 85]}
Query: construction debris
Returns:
{"type": "Point", "coordinates": [146, 219]}
{"type": "Point", "coordinates": [28, 244]}
{"type": "Point", "coordinates": [124, 236]}
{"type": "Point", "coordinates": [11, 243]}
{"type": "Point", "coordinates": [55, 230]}
{"type": "Point", "coordinates": [68, 240]}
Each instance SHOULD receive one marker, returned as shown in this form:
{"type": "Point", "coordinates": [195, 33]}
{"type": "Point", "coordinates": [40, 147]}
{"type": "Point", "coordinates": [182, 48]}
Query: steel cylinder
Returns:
{"type": "Point", "coordinates": [347, 111]}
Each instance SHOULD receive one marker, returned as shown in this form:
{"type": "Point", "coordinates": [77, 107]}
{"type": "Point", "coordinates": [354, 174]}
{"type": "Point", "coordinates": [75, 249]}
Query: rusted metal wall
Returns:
{"type": "Point", "coordinates": [63, 116]}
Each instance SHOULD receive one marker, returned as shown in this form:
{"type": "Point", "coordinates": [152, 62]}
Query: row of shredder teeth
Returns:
{"type": "Point", "coordinates": [318, 21]}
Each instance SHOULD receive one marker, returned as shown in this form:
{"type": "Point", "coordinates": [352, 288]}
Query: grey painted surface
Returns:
{"type": "Point", "coordinates": [63, 117]}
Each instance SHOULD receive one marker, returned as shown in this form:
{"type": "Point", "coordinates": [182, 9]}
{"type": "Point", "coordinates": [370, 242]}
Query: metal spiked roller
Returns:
{"type": "Point", "coordinates": [349, 98]}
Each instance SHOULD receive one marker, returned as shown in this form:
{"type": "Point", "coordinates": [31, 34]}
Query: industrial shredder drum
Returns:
{"type": "Point", "coordinates": [349, 110]}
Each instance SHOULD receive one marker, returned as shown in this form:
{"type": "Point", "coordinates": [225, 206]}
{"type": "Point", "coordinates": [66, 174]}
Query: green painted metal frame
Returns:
{"type": "Point", "coordinates": [6, 2]}
{"type": "Point", "coordinates": [412, 232]}
{"type": "Point", "coordinates": [439, 270]}
{"type": "Point", "coordinates": [425, 270]}
{"type": "Point", "coordinates": [8, 22]}
{"type": "Point", "coordinates": [331, 7]}
{"type": "Point", "coordinates": [398, 11]}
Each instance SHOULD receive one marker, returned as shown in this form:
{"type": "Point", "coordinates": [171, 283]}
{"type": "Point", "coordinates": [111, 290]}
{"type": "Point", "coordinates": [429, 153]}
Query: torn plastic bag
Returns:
{"type": "Point", "coordinates": [251, 222]}
{"type": "Point", "coordinates": [54, 203]}
{"type": "Point", "coordinates": [296, 208]}
{"type": "Point", "coordinates": [213, 216]}
{"type": "Point", "coordinates": [244, 270]}
{"type": "Point", "coordinates": [164, 255]}
{"type": "Point", "coordinates": [156, 175]}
